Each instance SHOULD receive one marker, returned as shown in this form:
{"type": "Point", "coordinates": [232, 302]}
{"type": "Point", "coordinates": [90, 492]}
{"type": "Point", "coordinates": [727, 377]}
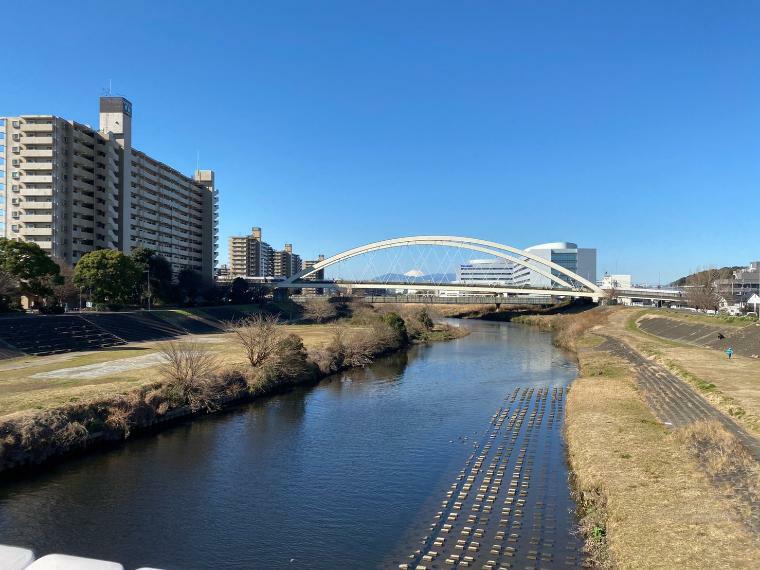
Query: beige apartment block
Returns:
{"type": "Point", "coordinates": [250, 256]}
{"type": "Point", "coordinates": [73, 189]}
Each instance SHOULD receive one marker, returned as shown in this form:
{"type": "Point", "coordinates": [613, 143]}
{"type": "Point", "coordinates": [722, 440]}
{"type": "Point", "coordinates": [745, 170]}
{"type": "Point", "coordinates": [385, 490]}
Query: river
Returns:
{"type": "Point", "coordinates": [363, 470]}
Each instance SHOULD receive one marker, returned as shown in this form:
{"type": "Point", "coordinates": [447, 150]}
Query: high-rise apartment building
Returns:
{"type": "Point", "coordinates": [250, 256]}
{"type": "Point", "coordinates": [316, 276]}
{"type": "Point", "coordinates": [73, 189]}
{"type": "Point", "coordinates": [286, 263]}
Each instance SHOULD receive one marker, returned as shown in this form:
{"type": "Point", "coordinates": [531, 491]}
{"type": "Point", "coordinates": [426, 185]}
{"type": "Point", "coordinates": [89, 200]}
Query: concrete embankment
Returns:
{"type": "Point", "coordinates": [742, 336]}
{"type": "Point", "coordinates": [643, 485]}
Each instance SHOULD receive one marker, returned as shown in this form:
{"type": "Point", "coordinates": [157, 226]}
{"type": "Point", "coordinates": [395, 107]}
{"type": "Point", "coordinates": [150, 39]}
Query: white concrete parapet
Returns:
{"type": "Point", "coordinates": [14, 558]}
{"type": "Point", "coordinates": [66, 562]}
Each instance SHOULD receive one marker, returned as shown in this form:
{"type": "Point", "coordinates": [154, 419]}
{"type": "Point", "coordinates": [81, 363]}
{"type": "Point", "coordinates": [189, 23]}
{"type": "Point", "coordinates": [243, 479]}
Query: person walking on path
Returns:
{"type": "Point", "coordinates": [730, 352]}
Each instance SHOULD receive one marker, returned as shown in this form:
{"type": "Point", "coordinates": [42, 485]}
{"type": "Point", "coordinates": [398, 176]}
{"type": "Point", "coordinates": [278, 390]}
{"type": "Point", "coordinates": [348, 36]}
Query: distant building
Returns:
{"type": "Point", "coordinates": [222, 273]}
{"type": "Point", "coordinates": [487, 272]}
{"type": "Point", "coordinates": [72, 189]}
{"type": "Point", "coordinates": [250, 256]}
{"type": "Point", "coordinates": [744, 283]}
{"type": "Point", "coordinates": [316, 276]}
{"type": "Point", "coordinates": [285, 263]}
{"type": "Point", "coordinates": [616, 281]}
{"type": "Point", "coordinates": [503, 272]}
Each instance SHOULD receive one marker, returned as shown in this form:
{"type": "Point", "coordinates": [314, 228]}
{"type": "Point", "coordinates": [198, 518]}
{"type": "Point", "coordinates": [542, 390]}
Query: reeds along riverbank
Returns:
{"type": "Point", "coordinates": [191, 382]}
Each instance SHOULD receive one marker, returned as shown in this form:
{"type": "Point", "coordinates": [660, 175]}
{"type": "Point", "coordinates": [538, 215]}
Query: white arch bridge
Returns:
{"type": "Point", "coordinates": [561, 281]}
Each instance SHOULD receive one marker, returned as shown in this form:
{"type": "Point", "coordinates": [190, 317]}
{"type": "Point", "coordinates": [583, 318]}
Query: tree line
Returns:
{"type": "Point", "coordinates": [108, 278]}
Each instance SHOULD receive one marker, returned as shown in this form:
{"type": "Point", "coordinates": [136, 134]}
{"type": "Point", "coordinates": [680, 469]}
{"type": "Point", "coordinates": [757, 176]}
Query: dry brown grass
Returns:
{"type": "Point", "coordinates": [729, 385]}
{"type": "Point", "coordinates": [569, 328]}
{"type": "Point", "coordinates": [724, 458]}
{"type": "Point", "coordinates": [652, 503]}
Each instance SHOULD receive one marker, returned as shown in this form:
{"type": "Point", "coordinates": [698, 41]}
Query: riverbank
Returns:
{"type": "Point", "coordinates": [67, 405]}
{"type": "Point", "coordinates": [651, 495]}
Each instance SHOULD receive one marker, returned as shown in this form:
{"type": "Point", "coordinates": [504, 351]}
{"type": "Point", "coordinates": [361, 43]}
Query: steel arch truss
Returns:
{"type": "Point", "coordinates": [521, 257]}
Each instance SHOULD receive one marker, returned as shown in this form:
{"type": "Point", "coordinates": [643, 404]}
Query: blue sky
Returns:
{"type": "Point", "coordinates": [633, 127]}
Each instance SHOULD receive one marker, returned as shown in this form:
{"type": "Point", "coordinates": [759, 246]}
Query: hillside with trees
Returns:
{"type": "Point", "coordinates": [700, 276]}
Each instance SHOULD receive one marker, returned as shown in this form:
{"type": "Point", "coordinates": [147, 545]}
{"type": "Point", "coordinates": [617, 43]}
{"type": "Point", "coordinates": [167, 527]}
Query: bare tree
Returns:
{"type": "Point", "coordinates": [190, 370]}
{"type": "Point", "coordinates": [319, 309]}
{"type": "Point", "coordinates": [64, 289]}
{"type": "Point", "coordinates": [701, 292]}
{"type": "Point", "coordinates": [260, 336]}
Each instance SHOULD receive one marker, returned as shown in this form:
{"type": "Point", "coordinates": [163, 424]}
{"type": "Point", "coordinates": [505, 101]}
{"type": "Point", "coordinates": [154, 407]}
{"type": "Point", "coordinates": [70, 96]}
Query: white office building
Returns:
{"type": "Point", "coordinates": [503, 272]}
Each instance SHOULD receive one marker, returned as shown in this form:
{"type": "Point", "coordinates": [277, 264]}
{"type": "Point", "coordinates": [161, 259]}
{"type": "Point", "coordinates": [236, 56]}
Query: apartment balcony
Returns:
{"type": "Point", "coordinates": [37, 205]}
{"type": "Point", "coordinates": [37, 127]}
{"type": "Point", "coordinates": [37, 218]}
{"type": "Point", "coordinates": [84, 160]}
{"type": "Point", "coordinates": [36, 192]}
{"type": "Point", "coordinates": [36, 153]}
{"type": "Point", "coordinates": [80, 184]}
{"type": "Point", "coordinates": [84, 209]}
{"type": "Point", "coordinates": [36, 232]}
{"type": "Point", "coordinates": [37, 140]}
{"type": "Point", "coordinates": [83, 149]}
{"type": "Point", "coordinates": [48, 245]}
{"type": "Point", "coordinates": [38, 179]}
{"type": "Point", "coordinates": [32, 166]}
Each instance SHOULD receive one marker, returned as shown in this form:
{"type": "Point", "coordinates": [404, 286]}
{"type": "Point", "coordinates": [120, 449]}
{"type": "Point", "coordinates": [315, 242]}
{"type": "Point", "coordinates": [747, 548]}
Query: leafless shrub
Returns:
{"type": "Point", "coordinates": [326, 360]}
{"type": "Point", "coordinates": [231, 382]}
{"type": "Point", "coordinates": [289, 361]}
{"type": "Point", "coordinates": [259, 336]}
{"type": "Point", "coordinates": [319, 309]}
{"type": "Point", "coordinates": [190, 372]}
{"type": "Point", "coordinates": [352, 347]}
{"type": "Point", "coordinates": [119, 417]}
{"type": "Point", "coordinates": [158, 400]}
{"type": "Point", "coordinates": [419, 322]}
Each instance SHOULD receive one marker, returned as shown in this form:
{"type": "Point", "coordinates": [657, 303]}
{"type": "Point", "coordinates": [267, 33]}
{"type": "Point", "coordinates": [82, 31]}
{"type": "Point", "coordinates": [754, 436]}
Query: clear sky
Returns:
{"type": "Point", "coordinates": [633, 127]}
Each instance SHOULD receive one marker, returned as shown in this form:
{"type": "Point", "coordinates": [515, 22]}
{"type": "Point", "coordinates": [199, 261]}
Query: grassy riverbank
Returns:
{"type": "Point", "coordinates": [647, 496]}
{"type": "Point", "coordinates": [50, 406]}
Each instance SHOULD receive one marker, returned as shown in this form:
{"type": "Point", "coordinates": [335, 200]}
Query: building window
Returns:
{"type": "Point", "coordinates": [15, 124]}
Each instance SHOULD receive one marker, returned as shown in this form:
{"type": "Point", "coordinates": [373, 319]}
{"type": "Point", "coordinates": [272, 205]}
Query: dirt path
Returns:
{"type": "Point", "coordinates": [676, 405]}
{"type": "Point", "coordinates": [674, 402]}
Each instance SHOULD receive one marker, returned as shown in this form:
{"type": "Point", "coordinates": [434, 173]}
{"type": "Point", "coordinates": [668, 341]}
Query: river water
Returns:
{"type": "Point", "coordinates": [452, 448]}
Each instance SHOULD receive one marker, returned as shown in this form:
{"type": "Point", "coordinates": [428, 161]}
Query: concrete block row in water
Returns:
{"type": "Point", "coordinates": [500, 510]}
{"type": "Point", "coordinates": [15, 558]}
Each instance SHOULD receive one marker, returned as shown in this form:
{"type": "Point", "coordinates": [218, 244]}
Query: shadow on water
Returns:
{"type": "Point", "coordinates": [337, 475]}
